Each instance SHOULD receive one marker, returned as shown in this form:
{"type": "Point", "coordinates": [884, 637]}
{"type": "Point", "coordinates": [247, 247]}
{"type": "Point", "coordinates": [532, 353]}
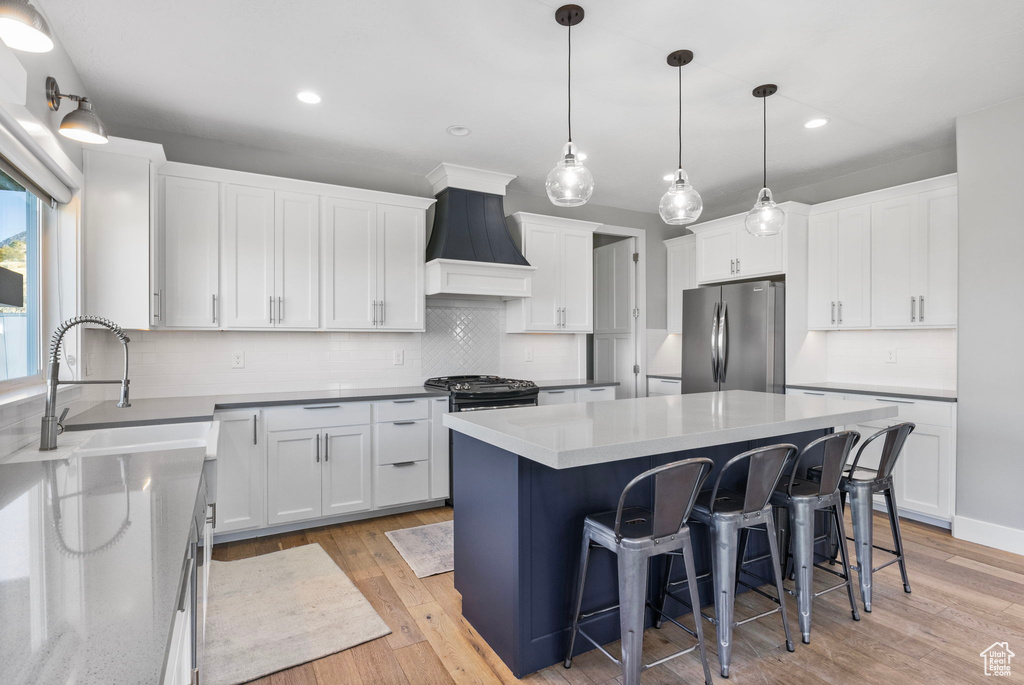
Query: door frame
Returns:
{"type": "Point", "coordinates": [640, 337]}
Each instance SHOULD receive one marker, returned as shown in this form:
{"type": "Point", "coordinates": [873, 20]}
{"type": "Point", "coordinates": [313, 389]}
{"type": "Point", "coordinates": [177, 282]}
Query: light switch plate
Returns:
{"type": "Point", "coordinates": [890, 356]}
{"type": "Point", "coordinates": [238, 360]}
{"type": "Point", "coordinates": [399, 357]}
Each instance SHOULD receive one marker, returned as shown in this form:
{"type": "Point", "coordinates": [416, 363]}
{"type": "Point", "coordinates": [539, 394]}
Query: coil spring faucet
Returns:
{"type": "Point", "coordinates": [51, 425]}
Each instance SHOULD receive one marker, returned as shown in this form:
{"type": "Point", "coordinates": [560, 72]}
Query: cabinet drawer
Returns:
{"type": "Point", "coordinates": [401, 483]}
{"type": "Point", "coordinates": [915, 411]}
{"type": "Point", "coordinates": [402, 441]}
{"type": "Point", "coordinates": [595, 394]}
{"type": "Point", "coordinates": [318, 416]}
{"type": "Point", "coordinates": [664, 386]}
{"type": "Point", "coordinates": [400, 410]}
{"type": "Point", "coordinates": [556, 397]}
{"type": "Point", "coordinates": [819, 393]}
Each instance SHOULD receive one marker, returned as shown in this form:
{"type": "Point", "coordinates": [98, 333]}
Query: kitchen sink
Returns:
{"type": "Point", "coordinates": [170, 436]}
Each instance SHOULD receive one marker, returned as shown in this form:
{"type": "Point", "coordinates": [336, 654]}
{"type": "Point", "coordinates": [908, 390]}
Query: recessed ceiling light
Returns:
{"type": "Point", "coordinates": [308, 96]}
{"type": "Point", "coordinates": [458, 131]}
{"type": "Point", "coordinates": [816, 123]}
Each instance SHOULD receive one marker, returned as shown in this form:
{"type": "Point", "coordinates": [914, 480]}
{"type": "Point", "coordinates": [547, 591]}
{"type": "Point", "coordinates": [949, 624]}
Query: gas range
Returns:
{"type": "Point", "coordinates": [472, 393]}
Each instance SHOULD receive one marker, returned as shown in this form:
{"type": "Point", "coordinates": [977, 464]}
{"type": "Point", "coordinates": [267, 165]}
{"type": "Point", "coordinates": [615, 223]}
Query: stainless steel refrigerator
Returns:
{"type": "Point", "coordinates": [734, 337]}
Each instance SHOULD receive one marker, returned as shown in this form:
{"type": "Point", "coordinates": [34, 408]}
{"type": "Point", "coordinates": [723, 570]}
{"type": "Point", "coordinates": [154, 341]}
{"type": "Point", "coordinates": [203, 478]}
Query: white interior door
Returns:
{"type": "Point", "coordinates": [350, 263]}
{"type": "Point", "coordinates": [247, 261]}
{"type": "Point", "coordinates": [615, 351]}
{"type": "Point", "coordinates": [297, 269]}
{"type": "Point", "coordinates": [401, 244]}
{"type": "Point", "coordinates": [346, 470]}
{"type": "Point", "coordinates": [189, 227]}
{"type": "Point", "coordinates": [293, 476]}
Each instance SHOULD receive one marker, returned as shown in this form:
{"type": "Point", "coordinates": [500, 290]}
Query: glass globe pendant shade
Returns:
{"type": "Point", "coordinates": [681, 204]}
{"type": "Point", "coordinates": [766, 218]}
{"type": "Point", "coordinates": [569, 184]}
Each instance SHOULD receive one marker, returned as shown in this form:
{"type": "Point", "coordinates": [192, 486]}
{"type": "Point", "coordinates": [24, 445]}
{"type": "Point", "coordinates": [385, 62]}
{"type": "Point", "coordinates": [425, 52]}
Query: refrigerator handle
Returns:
{"type": "Point", "coordinates": [723, 342]}
{"type": "Point", "coordinates": [714, 343]}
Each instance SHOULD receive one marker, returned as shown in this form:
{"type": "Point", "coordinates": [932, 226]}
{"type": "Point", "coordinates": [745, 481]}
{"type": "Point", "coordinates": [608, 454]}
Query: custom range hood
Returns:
{"type": "Point", "coordinates": [471, 252]}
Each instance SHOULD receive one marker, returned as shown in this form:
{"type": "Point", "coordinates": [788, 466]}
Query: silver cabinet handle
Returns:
{"type": "Point", "coordinates": [732, 266]}
{"type": "Point", "coordinates": [833, 312]}
{"type": "Point", "coordinates": [885, 399]}
{"type": "Point", "coordinates": [156, 305]}
{"type": "Point", "coordinates": [403, 401]}
{"type": "Point", "coordinates": [558, 317]}
{"type": "Point", "coordinates": [404, 423]}
{"type": "Point", "coordinates": [404, 463]}
{"type": "Point", "coordinates": [920, 308]}
{"type": "Point", "coordinates": [554, 392]}
{"type": "Point", "coordinates": [723, 343]}
{"type": "Point", "coordinates": [667, 381]}
{"type": "Point", "coordinates": [375, 312]}
{"type": "Point", "coordinates": [737, 266]}
{"type": "Point", "coordinates": [383, 314]}
{"type": "Point", "coordinates": [280, 309]}
{"type": "Point", "coordinates": [254, 429]}
{"type": "Point", "coordinates": [323, 406]}
{"type": "Point", "coordinates": [714, 343]}
{"type": "Point", "coordinates": [214, 308]}
{"type": "Point", "coordinates": [318, 448]}
{"type": "Point", "coordinates": [598, 389]}
{"type": "Point", "coordinates": [327, 447]}
{"type": "Point", "coordinates": [840, 312]}
{"type": "Point", "coordinates": [271, 308]}
{"type": "Point", "coordinates": [820, 394]}
{"type": "Point", "coordinates": [913, 309]}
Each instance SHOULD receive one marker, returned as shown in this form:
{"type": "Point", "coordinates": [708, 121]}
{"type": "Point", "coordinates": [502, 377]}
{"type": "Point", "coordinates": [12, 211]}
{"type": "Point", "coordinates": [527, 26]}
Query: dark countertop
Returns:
{"type": "Point", "coordinates": [156, 410]}
{"type": "Point", "coordinates": [887, 390]}
{"type": "Point", "coordinates": [94, 549]}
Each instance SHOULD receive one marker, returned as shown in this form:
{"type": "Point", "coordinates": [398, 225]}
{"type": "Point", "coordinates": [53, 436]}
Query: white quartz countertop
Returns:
{"type": "Point", "coordinates": [569, 435]}
{"type": "Point", "coordinates": [91, 552]}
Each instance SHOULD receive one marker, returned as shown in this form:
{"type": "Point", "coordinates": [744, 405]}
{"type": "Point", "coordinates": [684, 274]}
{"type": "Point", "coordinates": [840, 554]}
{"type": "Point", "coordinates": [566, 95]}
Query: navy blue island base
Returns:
{"type": "Point", "coordinates": [518, 526]}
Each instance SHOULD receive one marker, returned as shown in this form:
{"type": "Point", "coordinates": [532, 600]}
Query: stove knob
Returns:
{"type": "Point", "coordinates": [515, 384]}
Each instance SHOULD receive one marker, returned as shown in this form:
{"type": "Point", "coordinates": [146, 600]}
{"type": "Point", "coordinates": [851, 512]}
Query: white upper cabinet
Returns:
{"type": "Point", "coordinates": [190, 218]}
{"type": "Point", "coordinates": [350, 263]}
{"type": "Point", "coordinates": [839, 269]}
{"type": "Point", "coordinates": [726, 252]}
{"type": "Point", "coordinates": [563, 284]}
{"type": "Point", "coordinates": [885, 259]}
{"type": "Point", "coordinates": [297, 259]}
{"type": "Point", "coordinates": [247, 259]}
{"type": "Point", "coordinates": [373, 266]}
{"type": "Point", "coordinates": [401, 246]}
{"type": "Point", "coordinates": [119, 241]}
{"type": "Point", "coordinates": [681, 275]}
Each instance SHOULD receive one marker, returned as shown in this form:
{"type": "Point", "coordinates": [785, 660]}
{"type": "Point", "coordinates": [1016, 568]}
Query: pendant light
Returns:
{"type": "Point", "coordinates": [81, 124]}
{"type": "Point", "coordinates": [569, 184]}
{"type": "Point", "coordinates": [681, 204]}
{"type": "Point", "coordinates": [23, 28]}
{"type": "Point", "coordinates": [766, 218]}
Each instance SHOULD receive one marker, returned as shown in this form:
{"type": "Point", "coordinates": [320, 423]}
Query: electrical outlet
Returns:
{"type": "Point", "coordinates": [399, 358]}
{"type": "Point", "coordinates": [528, 354]}
{"type": "Point", "coordinates": [890, 356]}
{"type": "Point", "coordinates": [238, 360]}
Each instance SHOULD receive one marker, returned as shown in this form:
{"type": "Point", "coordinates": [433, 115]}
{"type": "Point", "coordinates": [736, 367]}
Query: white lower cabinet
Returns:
{"type": "Point", "coordinates": [925, 472]}
{"type": "Point", "coordinates": [241, 472]}
{"type": "Point", "coordinates": [664, 386]}
{"type": "Point", "coordinates": [546, 397]}
{"type": "Point", "coordinates": [440, 485]}
{"type": "Point", "coordinates": [402, 482]}
{"type": "Point", "coordinates": [570, 396]}
{"type": "Point", "coordinates": [293, 476]}
{"type": "Point", "coordinates": [345, 476]}
{"type": "Point", "coordinates": [595, 394]}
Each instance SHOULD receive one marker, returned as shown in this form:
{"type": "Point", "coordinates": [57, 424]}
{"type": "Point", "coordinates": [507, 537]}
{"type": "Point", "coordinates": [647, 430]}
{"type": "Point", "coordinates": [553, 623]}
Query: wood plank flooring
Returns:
{"type": "Point", "coordinates": [965, 598]}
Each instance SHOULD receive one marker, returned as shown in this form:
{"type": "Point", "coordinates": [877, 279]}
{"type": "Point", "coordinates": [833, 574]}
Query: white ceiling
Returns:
{"type": "Point", "coordinates": [892, 75]}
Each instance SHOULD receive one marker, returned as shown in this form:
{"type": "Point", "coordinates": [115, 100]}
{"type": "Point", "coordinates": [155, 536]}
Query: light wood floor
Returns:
{"type": "Point", "coordinates": [965, 598]}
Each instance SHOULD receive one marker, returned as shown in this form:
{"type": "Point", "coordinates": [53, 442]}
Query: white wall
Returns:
{"type": "Point", "coordinates": [990, 464]}
{"type": "Point", "coordinates": [924, 358]}
{"type": "Point", "coordinates": [171, 363]}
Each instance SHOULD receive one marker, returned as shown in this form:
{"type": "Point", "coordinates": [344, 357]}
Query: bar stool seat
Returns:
{"type": "Point", "coordinates": [635, 535]}
{"type": "Point", "coordinates": [727, 503]}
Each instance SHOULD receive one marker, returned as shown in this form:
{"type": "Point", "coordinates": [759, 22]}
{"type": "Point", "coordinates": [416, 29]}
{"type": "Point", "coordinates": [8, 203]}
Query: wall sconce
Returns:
{"type": "Point", "coordinates": [22, 27]}
{"type": "Point", "coordinates": [82, 124]}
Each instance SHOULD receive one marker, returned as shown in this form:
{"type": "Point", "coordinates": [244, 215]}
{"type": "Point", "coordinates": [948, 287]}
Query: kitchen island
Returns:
{"type": "Point", "coordinates": [525, 479]}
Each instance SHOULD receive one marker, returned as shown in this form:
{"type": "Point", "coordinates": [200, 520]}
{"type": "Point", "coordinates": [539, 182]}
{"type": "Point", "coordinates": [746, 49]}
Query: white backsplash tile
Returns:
{"type": "Point", "coordinates": [463, 336]}
{"type": "Point", "coordinates": [925, 358]}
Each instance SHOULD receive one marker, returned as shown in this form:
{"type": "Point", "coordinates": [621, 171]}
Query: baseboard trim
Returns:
{"type": "Point", "coordinates": [320, 522]}
{"type": "Point", "coordinates": [989, 534]}
{"type": "Point", "coordinates": [879, 505]}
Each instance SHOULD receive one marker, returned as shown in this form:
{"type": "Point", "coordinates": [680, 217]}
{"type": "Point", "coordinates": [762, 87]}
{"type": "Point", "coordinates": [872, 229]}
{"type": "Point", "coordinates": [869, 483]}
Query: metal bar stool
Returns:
{"type": "Point", "coordinates": [861, 484]}
{"type": "Point", "coordinates": [802, 499]}
{"type": "Point", "coordinates": [729, 514]}
{"type": "Point", "coordinates": [634, 535]}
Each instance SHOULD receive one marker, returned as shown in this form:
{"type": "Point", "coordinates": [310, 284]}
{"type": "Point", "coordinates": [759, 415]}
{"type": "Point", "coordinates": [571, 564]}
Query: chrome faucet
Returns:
{"type": "Point", "coordinates": [51, 425]}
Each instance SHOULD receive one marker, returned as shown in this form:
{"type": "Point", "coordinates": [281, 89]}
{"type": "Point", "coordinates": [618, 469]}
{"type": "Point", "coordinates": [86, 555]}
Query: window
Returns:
{"type": "Point", "coordinates": [19, 252]}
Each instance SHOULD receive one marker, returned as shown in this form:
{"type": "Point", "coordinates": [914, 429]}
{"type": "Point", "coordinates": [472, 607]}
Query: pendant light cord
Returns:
{"type": "Point", "coordinates": [568, 86]}
{"type": "Point", "coordinates": [680, 70]}
{"type": "Point", "coordinates": [764, 141]}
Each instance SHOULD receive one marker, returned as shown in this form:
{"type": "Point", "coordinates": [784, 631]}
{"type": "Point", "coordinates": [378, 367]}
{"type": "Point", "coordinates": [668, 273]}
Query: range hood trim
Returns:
{"type": "Point", "coordinates": [459, 277]}
{"type": "Point", "coordinates": [446, 175]}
